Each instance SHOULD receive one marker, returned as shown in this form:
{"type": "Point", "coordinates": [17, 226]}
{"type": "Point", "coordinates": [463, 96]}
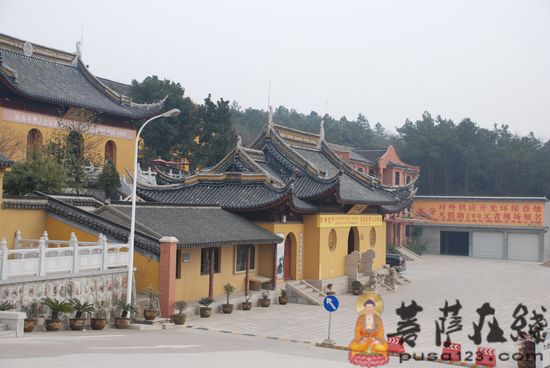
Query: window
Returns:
{"type": "Point", "coordinates": [178, 263]}
{"type": "Point", "coordinates": [205, 260]}
{"type": "Point", "coordinates": [240, 257]}
{"type": "Point", "coordinates": [34, 143]}
{"type": "Point", "coordinates": [397, 178]}
{"type": "Point", "coordinates": [110, 152]}
{"type": "Point", "coordinates": [408, 179]}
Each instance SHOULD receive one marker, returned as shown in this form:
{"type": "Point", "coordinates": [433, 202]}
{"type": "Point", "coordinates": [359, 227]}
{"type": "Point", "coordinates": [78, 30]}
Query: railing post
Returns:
{"type": "Point", "coordinates": [73, 243]}
{"type": "Point", "coordinates": [46, 239]}
{"type": "Point", "coordinates": [104, 265]}
{"type": "Point", "coordinates": [4, 260]}
{"type": "Point", "coordinates": [17, 240]}
{"type": "Point", "coordinates": [42, 260]}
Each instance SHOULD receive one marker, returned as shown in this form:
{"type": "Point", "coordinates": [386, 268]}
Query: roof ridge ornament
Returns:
{"type": "Point", "coordinates": [269, 121]}
{"type": "Point", "coordinates": [239, 142]}
{"type": "Point", "coordinates": [321, 133]}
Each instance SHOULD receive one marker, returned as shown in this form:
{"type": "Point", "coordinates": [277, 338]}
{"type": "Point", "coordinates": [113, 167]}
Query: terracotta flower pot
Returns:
{"type": "Point", "coordinates": [179, 319]}
{"type": "Point", "coordinates": [29, 325]}
{"type": "Point", "coordinates": [246, 306]}
{"type": "Point", "coordinates": [98, 323]}
{"type": "Point", "coordinates": [53, 325]}
{"type": "Point", "coordinates": [227, 308]}
{"type": "Point", "coordinates": [265, 302]}
{"type": "Point", "coordinates": [205, 312]}
{"type": "Point", "coordinates": [283, 300]}
{"type": "Point", "coordinates": [77, 324]}
{"type": "Point", "coordinates": [122, 323]}
{"type": "Point", "coordinates": [150, 314]}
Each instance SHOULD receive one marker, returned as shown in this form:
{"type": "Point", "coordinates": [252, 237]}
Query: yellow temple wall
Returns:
{"type": "Point", "coordinates": [31, 223]}
{"type": "Point", "coordinates": [124, 147]}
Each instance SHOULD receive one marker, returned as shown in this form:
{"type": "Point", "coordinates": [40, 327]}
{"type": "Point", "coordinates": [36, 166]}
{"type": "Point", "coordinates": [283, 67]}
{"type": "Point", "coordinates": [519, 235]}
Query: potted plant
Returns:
{"type": "Point", "coordinates": [98, 321]}
{"type": "Point", "coordinates": [125, 311]}
{"type": "Point", "coordinates": [264, 300]}
{"type": "Point", "coordinates": [6, 306]}
{"type": "Point", "coordinates": [247, 304]}
{"type": "Point", "coordinates": [56, 307]}
{"type": "Point", "coordinates": [32, 316]}
{"type": "Point", "coordinates": [228, 290]}
{"type": "Point", "coordinates": [150, 313]}
{"type": "Point", "coordinates": [205, 310]}
{"type": "Point", "coordinates": [179, 319]}
{"type": "Point", "coordinates": [283, 299]}
{"type": "Point", "coordinates": [79, 321]}
{"type": "Point", "coordinates": [329, 290]}
{"type": "Point", "coordinates": [357, 288]}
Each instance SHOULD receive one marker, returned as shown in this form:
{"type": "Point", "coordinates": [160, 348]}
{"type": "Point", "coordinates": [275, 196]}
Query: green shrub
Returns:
{"type": "Point", "coordinates": [417, 247]}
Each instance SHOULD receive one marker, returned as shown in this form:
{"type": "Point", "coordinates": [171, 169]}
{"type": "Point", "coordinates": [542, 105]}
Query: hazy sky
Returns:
{"type": "Point", "coordinates": [391, 60]}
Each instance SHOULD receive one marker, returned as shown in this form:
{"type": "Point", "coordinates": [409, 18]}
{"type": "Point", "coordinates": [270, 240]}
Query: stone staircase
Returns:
{"type": "Point", "coordinates": [303, 292]}
{"type": "Point", "coordinates": [5, 332]}
{"type": "Point", "coordinates": [409, 254]}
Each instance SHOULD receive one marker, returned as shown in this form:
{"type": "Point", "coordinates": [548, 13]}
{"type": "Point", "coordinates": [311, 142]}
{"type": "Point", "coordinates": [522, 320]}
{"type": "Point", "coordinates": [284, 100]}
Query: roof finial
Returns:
{"type": "Point", "coordinates": [269, 121]}
{"type": "Point", "coordinates": [270, 111]}
{"type": "Point", "coordinates": [79, 49]}
{"type": "Point", "coordinates": [239, 142]}
{"type": "Point", "coordinates": [321, 134]}
{"type": "Point", "coordinates": [322, 130]}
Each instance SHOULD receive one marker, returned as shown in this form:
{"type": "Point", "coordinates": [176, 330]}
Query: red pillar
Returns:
{"type": "Point", "coordinates": [167, 277]}
{"type": "Point", "coordinates": [247, 276]}
{"type": "Point", "coordinates": [211, 277]}
{"type": "Point", "coordinates": [274, 266]}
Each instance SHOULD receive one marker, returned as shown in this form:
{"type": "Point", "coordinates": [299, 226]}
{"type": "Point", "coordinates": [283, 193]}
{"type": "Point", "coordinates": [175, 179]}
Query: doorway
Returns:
{"type": "Point", "coordinates": [455, 243]}
{"type": "Point", "coordinates": [353, 240]}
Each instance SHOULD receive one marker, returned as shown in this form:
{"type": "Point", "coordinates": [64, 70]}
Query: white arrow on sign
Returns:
{"type": "Point", "coordinates": [329, 301]}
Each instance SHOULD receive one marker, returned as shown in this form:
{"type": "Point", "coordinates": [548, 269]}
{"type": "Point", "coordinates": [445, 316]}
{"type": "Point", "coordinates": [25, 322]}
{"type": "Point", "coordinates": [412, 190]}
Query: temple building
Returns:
{"type": "Point", "coordinates": [43, 90]}
{"type": "Point", "coordinates": [321, 207]}
{"type": "Point", "coordinates": [383, 164]}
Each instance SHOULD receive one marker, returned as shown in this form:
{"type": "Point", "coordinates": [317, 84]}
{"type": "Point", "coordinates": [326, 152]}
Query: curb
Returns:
{"type": "Point", "coordinates": [327, 346]}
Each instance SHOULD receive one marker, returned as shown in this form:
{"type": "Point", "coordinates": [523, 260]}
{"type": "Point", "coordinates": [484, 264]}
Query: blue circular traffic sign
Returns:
{"type": "Point", "coordinates": [331, 303]}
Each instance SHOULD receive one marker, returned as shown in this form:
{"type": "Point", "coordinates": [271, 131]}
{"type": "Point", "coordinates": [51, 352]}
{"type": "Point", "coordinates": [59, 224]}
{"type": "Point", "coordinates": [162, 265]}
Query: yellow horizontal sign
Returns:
{"type": "Point", "coordinates": [348, 220]}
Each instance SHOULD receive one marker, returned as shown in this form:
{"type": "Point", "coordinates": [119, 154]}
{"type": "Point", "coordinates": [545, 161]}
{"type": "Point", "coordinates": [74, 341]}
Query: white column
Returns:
{"type": "Point", "coordinates": [73, 243]}
{"type": "Point", "coordinates": [46, 239]}
{"type": "Point", "coordinates": [4, 260]}
{"type": "Point", "coordinates": [42, 260]}
{"type": "Point", "coordinates": [104, 265]}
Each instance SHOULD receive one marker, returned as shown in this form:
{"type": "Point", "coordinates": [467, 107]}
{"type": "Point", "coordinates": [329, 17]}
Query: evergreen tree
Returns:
{"type": "Point", "coordinates": [109, 179]}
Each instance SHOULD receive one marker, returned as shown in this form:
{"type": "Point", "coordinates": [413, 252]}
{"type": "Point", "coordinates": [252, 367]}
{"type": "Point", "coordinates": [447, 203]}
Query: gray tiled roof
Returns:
{"type": "Point", "coordinates": [228, 195]}
{"type": "Point", "coordinates": [5, 161]}
{"type": "Point", "coordinates": [67, 84]}
{"type": "Point", "coordinates": [371, 155]}
{"type": "Point", "coordinates": [199, 226]}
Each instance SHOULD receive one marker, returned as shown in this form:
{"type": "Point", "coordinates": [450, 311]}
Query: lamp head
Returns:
{"type": "Point", "coordinates": [171, 113]}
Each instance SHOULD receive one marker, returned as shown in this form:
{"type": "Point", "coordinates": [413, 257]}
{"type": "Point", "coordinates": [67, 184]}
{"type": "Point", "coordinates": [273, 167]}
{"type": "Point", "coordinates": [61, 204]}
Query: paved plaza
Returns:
{"type": "Point", "coordinates": [435, 278]}
{"type": "Point", "coordinates": [473, 281]}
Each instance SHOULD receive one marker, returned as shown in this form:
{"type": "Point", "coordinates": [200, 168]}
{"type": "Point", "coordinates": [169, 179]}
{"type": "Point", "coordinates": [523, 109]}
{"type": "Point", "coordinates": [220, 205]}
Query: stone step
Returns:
{"type": "Point", "coordinates": [3, 327]}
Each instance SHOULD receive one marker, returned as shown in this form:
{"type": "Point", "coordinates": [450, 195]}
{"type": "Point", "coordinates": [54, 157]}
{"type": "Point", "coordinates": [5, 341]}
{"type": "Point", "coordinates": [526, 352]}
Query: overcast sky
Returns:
{"type": "Point", "coordinates": [391, 60]}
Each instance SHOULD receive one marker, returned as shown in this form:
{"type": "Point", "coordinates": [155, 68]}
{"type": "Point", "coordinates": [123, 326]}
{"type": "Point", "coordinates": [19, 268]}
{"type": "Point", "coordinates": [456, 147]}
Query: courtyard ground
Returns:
{"type": "Point", "coordinates": [259, 337]}
{"type": "Point", "coordinates": [473, 281]}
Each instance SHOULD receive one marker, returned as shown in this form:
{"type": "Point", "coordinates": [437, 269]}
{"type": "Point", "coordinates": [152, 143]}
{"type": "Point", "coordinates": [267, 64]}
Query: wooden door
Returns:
{"type": "Point", "coordinates": [287, 261]}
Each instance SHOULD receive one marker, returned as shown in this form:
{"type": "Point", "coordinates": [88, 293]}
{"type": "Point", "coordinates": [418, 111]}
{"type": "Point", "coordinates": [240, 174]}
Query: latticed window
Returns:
{"type": "Point", "coordinates": [206, 259]}
{"type": "Point", "coordinates": [240, 257]}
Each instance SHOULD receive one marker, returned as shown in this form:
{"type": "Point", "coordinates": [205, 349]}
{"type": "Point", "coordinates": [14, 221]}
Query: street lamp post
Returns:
{"type": "Point", "coordinates": [167, 114]}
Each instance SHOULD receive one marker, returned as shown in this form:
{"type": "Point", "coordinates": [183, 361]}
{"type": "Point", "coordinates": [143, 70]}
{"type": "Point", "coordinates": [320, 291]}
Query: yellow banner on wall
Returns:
{"type": "Point", "coordinates": [509, 213]}
{"type": "Point", "coordinates": [348, 220]}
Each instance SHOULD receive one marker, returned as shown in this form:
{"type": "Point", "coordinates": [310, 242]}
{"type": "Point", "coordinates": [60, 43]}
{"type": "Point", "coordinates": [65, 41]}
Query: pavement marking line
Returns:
{"type": "Point", "coordinates": [142, 347]}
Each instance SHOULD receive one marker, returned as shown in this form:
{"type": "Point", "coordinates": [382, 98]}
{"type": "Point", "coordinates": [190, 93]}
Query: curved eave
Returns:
{"type": "Point", "coordinates": [136, 115]}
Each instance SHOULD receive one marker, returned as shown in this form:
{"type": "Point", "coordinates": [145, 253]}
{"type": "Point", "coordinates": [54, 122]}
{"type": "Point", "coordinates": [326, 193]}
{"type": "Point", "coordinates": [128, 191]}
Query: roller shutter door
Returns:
{"type": "Point", "coordinates": [487, 244]}
{"type": "Point", "coordinates": [523, 247]}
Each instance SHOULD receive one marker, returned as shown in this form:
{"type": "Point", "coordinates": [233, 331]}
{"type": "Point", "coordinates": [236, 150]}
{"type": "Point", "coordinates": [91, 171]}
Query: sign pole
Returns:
{"type": "Point", "coordinates": [331, 304]}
